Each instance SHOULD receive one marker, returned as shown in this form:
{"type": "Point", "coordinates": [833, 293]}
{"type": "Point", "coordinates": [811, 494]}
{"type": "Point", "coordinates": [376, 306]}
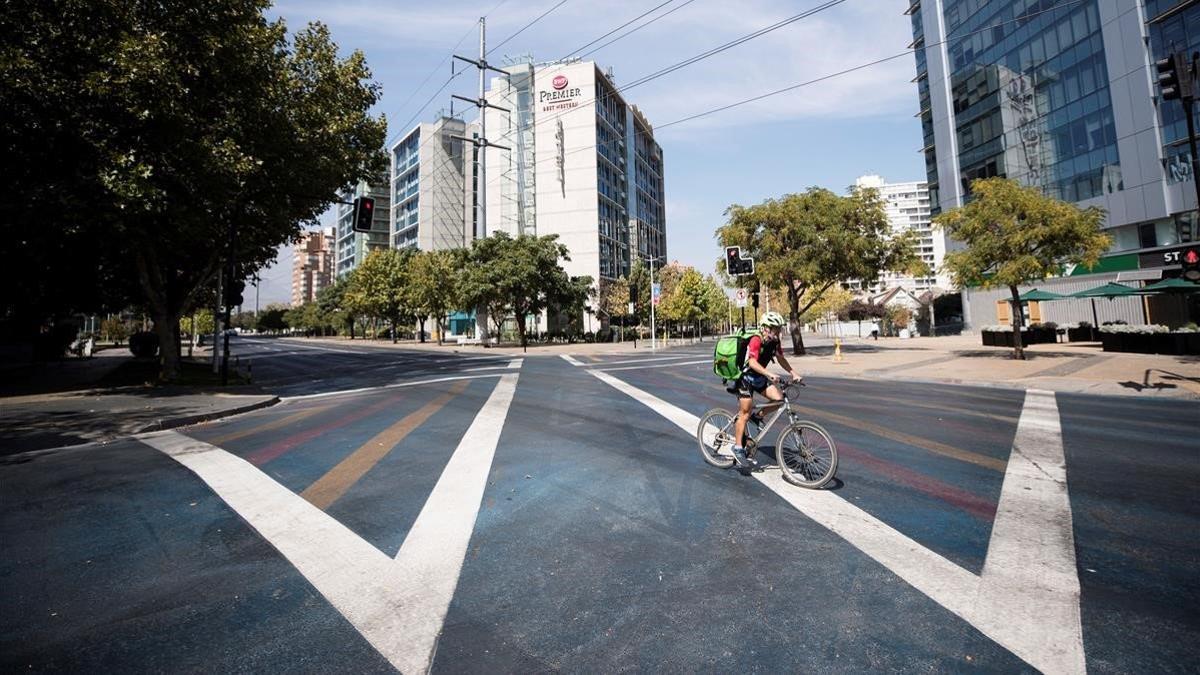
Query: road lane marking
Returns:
{"type": "Point", "coordinates": [329, 488]}
{"type": "Point", "coordinates": [1039, 621]}
{"type": "Point", "coordinates": [383, 387]}
{"type": "Point", "coordinates": [648, 359]}
{"type": "Point", "coordinates": [1030, 580]}
{"type": "Point", "coordinates": [571, 360]}
{"type": "Point", "coordinates": [515, 364]}
{"type": "Point", "coordinates": [398, 605]}
{"type": "Point", "coordinates": [653, 365]}
{"type": "Point", "coordinates": [432, 555]}
{"type": "Point", "coordinates": [269, 426]}
{"type": "Point", "coordinates": [361, 582]}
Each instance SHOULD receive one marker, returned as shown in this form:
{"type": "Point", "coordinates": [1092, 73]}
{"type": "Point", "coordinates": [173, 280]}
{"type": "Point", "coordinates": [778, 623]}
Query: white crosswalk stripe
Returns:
{"type": "Point", "coordinates": [1027, 598]}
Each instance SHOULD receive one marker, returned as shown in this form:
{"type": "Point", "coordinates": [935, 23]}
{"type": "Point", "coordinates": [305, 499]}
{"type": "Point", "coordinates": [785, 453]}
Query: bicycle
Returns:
{"type": "Point", "coordinates": [805, 452]}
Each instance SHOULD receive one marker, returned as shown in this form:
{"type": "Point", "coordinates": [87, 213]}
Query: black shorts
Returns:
{"type": "Point", "coordinates": [750, 383]}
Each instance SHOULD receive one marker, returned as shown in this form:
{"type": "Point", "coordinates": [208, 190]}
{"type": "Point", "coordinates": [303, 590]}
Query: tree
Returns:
{"type": "Point", "coordinates": [272, 319]}
{"type": "Point", "coordinates": [810, 242]}
{"type": "Point", "coordinates": [834, 300]}
{"type": "Point", "coordinates": [338, 305]}
{"type": "Point", "coordinates": [432, 286]}
{"type": "Point", "coordinates": [199, 322]}
{"type": "Point", "coordinates": [114, 329]}
{"type": "Point", "coordinates": [174, 129]}
{"type": "Point", "coordinates": [688, 301]}
{"type": "Point", "coordinates": [639, 279]}
{"type": "Point", "coordinates": [380, 286]}
{"type": "Point", "coordinates": [1015, 235]}
{"type": "Point", "coordinates": [521, 276]}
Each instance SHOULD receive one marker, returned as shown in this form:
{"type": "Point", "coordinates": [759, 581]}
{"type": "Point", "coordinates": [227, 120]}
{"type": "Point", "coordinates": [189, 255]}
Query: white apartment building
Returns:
{"type": "Point", "coordinates": [583, 165]}
{"type": "Point", "coordinates": [432, 202]}
{"type": "Point", "coordinates": [908, 209]}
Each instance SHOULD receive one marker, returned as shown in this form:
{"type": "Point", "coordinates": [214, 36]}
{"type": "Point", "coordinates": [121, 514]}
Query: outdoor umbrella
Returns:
{"type": "Point", "coordinates": [1109, 290]}
{"type": "Point", "coordinates": [1175, 285]}
{"type": "Point", "coordinates": [1040, 296]}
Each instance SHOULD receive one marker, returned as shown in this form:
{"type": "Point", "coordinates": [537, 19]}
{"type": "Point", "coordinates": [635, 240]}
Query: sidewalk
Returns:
{"type": "Point", "coordinates": [92, 400]}
{"type": "Point", "coordinates": [962, 359]}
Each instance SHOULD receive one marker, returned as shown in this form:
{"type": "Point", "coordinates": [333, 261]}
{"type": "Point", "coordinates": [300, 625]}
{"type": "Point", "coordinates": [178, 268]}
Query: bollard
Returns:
{"type": "Point", "coordinates": [837, 351]}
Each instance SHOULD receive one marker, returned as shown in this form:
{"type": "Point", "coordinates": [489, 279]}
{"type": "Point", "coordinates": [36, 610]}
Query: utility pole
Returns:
{"type": "Point", "coordinates": [482, 142]}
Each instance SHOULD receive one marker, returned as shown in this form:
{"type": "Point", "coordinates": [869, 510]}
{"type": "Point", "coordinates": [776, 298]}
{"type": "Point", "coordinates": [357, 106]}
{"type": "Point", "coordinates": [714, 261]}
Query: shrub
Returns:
{"type": "Point", "coordinates": [143, 344]}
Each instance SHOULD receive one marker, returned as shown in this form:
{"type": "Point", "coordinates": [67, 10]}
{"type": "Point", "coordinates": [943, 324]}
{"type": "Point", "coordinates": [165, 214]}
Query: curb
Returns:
{"type": "Point", "coordinates": [188, 420]}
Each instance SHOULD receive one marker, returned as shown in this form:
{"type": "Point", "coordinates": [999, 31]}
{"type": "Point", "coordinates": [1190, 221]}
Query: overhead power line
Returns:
{"type": "Point", "coordinates": [522, 30]}
{"type": "Point", "coordinates": [733, 43]}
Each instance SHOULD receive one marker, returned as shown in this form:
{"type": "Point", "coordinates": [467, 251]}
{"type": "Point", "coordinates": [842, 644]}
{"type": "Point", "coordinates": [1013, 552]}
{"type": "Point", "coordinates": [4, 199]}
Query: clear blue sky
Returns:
{"type": "Point", "coordinates": [826, 134]}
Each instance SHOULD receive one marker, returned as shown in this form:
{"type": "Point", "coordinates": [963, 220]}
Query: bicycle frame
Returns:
{"type": "Point", "coordinates": [783, 406]}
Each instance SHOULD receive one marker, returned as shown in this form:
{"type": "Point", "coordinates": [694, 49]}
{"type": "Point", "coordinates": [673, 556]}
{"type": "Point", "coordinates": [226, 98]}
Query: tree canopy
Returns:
{"type": "Point", "coordinates": [1014, 235]}
{"type": "Point", "coordinates": [809, 242]}
{"type": "Point", "coordinates": [520, 277]}
{"type": "Point", "coordinates": [154, 131]}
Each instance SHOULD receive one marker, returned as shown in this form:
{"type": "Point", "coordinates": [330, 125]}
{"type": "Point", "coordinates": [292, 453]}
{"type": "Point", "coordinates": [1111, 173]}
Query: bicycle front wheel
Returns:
{"type": "Point", "coordinates": [716, 437]}
{"type": "Point", "coordinates": [807, 455]}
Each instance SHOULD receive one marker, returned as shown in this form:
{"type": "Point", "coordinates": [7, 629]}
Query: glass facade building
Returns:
{"type": "Point", "coordinates": [1058, 95]}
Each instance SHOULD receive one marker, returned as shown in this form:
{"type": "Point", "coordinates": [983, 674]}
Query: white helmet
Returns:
{"type": "Point", "coordinates": [772, 320]}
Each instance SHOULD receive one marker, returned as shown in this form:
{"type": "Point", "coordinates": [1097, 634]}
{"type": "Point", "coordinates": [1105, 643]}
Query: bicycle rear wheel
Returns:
{"type": "Point", "coordinates": [807, 455]}
{"type": "Point", "coordinates": [716, 437]}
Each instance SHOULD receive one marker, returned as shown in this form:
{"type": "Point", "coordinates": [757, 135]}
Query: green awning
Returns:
{"type": "Point", "coordinates": [1109, 290]}
{"type": "Point", "coordinates": [1174, 285]}
{"type": "Point", "coordinates": [1122, 262]}
{"type": "Point", "coordinates": [1040, 296]}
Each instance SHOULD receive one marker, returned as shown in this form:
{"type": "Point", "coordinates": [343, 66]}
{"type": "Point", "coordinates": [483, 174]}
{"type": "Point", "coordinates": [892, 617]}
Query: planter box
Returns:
{"type": "Point", "coordinates": [989, 338]}
{"type": "Point", "coordinates": [1087, 334]}
{"type": "Point", "coordinates": [1112, 342]}
{"type": "Point", "coordinates": [1175, 344]}
{"type": "Point", "coordinates": [1191, 343]}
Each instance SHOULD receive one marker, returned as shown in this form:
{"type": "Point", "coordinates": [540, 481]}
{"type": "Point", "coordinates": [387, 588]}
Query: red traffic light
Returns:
{"type": "Point", "coordinates": [1191, 257]}
{"type": "Point", "coordinates": [363, 210]}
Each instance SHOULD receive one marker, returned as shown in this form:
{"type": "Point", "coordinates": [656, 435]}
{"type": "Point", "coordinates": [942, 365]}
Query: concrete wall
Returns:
{"type": "Point", "coordinates": [979, 306]}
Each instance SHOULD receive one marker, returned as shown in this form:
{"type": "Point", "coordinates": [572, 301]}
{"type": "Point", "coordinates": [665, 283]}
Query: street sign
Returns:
{"type": "Point", "coordinates": [740, 297]}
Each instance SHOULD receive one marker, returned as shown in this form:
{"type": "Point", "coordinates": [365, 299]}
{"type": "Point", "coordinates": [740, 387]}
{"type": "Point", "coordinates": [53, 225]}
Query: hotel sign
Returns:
{"type": "Point", "coordinates": [561, 97]}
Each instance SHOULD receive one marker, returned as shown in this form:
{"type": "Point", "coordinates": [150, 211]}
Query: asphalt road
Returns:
{"type": "Point", "coordinates": [407, 510]}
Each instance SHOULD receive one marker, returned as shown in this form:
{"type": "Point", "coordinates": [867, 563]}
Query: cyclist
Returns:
{"type": "Point", "coordinates": [756, 378]}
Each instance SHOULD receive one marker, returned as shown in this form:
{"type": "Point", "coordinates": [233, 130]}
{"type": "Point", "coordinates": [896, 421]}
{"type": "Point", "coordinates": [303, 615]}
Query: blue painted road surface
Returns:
{"type": "Point", "coordinates": [407, 511]}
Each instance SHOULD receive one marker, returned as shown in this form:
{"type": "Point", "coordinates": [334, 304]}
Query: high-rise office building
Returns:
{"type": "Point", "coordinates": [351, 247]}
{"type": "Point", "coordinates": [1061, 95]}
{"type": "Point", "coordinates": [432, 180]}
{"type": "Point", "coordinates": [583, 164]}
{"type": "Point", "coordinates": [312, 266]}
{"type": "Point", "coordinates": [907, 206]}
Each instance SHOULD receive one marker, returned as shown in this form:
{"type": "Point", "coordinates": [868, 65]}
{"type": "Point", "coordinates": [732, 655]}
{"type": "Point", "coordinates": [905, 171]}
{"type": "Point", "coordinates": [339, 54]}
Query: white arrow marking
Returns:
{"type": "Point", "coordinates": [1027, 599]}
{"type": "Point", "coordinates": [397, 605]}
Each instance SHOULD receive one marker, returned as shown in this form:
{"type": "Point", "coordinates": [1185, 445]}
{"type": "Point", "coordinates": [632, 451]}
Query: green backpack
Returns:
{"type": "Point", "coordinates": [729, 356]}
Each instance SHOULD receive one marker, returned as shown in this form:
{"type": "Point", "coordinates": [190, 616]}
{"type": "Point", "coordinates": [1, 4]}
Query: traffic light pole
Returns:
{"type": "Point", "coordinates": [1187, 112]}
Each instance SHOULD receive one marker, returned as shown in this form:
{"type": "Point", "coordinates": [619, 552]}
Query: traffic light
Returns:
{"type": "Point", "coordinates": [364, 211]}
{"type": "Point", "coordinates": [735, 264]}
{"type": "Point", "coordinates": [1174, 77]}
{"type": "Point", "coordinates": [733, 260]}
{"type": "Point", "coordinates": [1191, 264]}
{"type": "Point", "coordinates": [1185, 231]}
{"type": "Point", "coordinates": [233, 293]}
{"type": "Point", "coordinates": [633, 293]}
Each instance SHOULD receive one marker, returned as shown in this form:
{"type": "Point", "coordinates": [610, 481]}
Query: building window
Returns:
{"type": "Point", "coordinates": [1147, 237]}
